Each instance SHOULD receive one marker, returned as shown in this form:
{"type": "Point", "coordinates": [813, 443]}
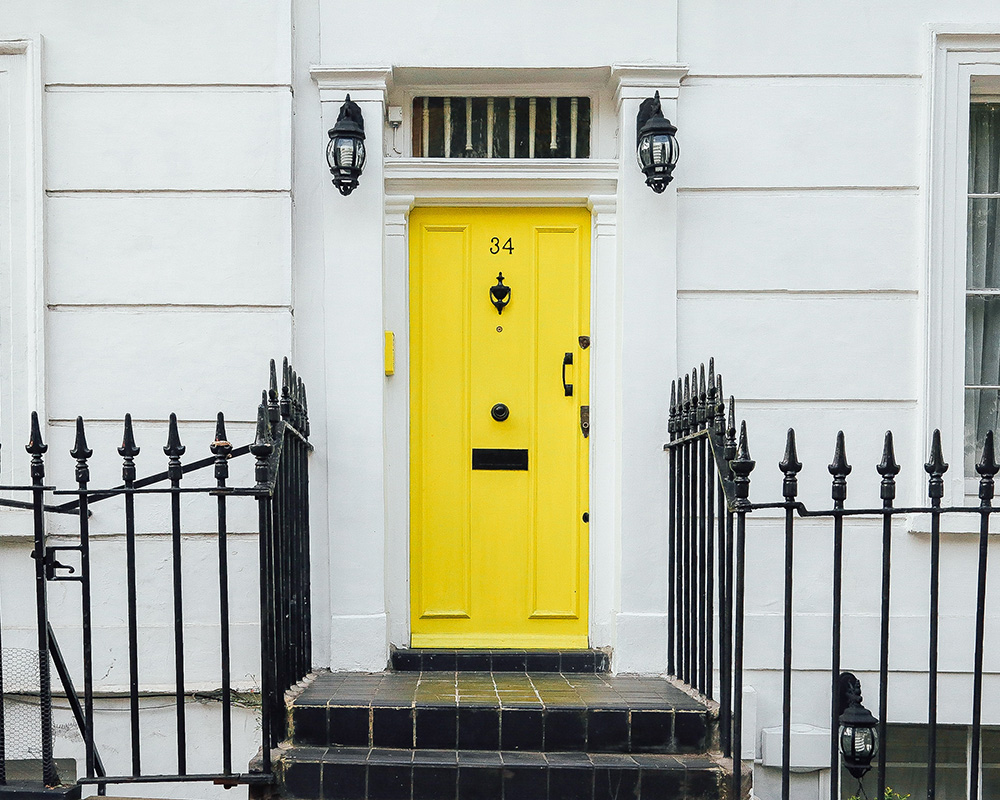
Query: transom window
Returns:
{"type": "Point", "coordinates": [982, 298]}
{"type": "Point", "coordinates": [501, 127]}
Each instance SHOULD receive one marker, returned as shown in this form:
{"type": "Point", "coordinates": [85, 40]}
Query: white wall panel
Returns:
{"type": "Point", "coordinates": [776, 347]}
{"type": "Point", "coordinates": [513, 33]}
{"type": "Point", "coordinates": [800, 132]}
{"type": "Point", "coordinates": [784, 36]}
{"type": "Point", "coordinates": [168, 139]}
{"type": "Point", "coordinates": [799, 240]}
{"type": "Point", "coordinates": [195, 363]}
{"type": "Point", "coordinates": [170, 249]}
{"type": "Point", "coordinates": [183, 41]}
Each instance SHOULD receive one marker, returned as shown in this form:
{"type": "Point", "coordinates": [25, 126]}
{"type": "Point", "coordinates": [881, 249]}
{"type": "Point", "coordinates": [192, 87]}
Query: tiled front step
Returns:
{"type": "Point", "coordinates": [435, 660]}
{"type": "Point", "coordinates": [545, 712]}
{"type": "Point", "coordinates": [363, 774]}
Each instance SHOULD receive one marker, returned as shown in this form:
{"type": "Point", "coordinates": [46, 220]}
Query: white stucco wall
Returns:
{"type": "Point", "coordinates": [189, 232]}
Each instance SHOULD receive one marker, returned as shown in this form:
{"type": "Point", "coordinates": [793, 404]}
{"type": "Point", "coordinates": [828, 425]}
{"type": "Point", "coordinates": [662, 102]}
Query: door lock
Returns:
{"type": "Point", "coordinates": [500, 412]}
{"type": "Point", "coordinates": [585, 421]}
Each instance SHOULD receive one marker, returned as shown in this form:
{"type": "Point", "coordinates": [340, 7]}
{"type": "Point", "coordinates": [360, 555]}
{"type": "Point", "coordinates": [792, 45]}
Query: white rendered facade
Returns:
{"type": "Point", "coordinates": [179, 222]}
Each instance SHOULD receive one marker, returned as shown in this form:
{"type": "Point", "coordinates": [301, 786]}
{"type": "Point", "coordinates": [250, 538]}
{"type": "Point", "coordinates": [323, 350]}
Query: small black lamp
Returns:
{"type": "Point", "coordinates": [656, 144]}
{"type": "Point", "coordinates": [858, 737]}
{"type": "Point", "coordinates": [346, 151]}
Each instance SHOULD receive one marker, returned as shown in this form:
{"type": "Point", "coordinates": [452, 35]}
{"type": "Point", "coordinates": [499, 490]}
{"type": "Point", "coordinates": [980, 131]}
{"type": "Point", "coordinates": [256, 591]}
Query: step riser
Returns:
{"type": "Point", "coordinates": [349, 781]}
{"type": "Point", "coordinates": [475, 728]}
{"type": "Point", "coordinates": [437, 660]}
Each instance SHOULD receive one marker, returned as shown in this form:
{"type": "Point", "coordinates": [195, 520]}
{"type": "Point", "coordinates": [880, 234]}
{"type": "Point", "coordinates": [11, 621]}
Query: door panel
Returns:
{"type": "Point", "coordinates": [498, 553]}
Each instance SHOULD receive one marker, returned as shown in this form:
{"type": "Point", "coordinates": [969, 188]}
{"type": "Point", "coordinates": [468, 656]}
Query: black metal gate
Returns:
{"type": "Point", "coordinates": [709, 491]}
{"type": "Point", "coordinates": [279, 489]}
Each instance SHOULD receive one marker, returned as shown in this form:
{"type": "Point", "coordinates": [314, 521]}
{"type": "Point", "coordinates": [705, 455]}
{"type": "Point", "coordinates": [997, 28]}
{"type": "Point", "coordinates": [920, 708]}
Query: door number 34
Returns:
{"type": "Point", "coordinates": [496, 247]}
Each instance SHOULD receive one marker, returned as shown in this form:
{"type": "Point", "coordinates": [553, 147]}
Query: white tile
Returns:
{"type": "Point", "coordinates": [799, 240]}
{"type": "Point", "coordinates": [176, 139]}
{"type": "Point", "coordinates": [103, 364]}
{"type": "Point", "coordinates": [184, 41]}
{"type": "Point", "coordinates": [169, 249]}
{"type": "Point", "coordinates": [816, 132]}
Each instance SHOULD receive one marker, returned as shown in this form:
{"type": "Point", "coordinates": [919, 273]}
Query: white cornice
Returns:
{"type": "Point", "coordinates": [637, 81]}
{"type": "Point", "coordinates": [578, 78]}
{"type": "Point", "coordinates": [549, 181]}
{"type": "Point", "coordinates": [365, 83]}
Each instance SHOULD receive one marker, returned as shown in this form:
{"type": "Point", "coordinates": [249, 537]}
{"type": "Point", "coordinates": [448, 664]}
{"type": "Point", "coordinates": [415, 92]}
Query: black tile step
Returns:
{"type": "Point", "coordinates": [346, 773]}
{"type": "Point", "coordinates": [542, 712]}
{"type": "Point", "coordinates": [443, 660]}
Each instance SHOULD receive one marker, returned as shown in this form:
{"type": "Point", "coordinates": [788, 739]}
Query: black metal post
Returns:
{"type": "Point", "coordinates": [791, 467]}
{"type": "Point", "coordinates": [81, 453]}
{"type": "Point", "coordinates": [704, 567]}
{"type": "Point", "coordinates": [174, 450]}
{"type": "Point", "coordinates": [36, 447]}
{"type": "Point", "coordinates": [671, 531]}
{"type": "Point", "coordinates": [888, 469]}
{"type": "Point", "coordinates": [261, 449]}
{"type": "Point", "coordinates": [987, 469]}
{"type": "Point", "coordinates": [935, 468]}
{"type": "Point", "coordinates": [128, 451]}
{"type": "Point", "coordinates": [221, 449]}
{"type": "Point", "coordinates": [839, 469]}
{"type": "Point", "coordinates": [742, 466]}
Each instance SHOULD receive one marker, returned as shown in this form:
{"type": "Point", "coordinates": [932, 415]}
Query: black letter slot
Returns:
{"type": "Point", "coordinates": [499, 458]}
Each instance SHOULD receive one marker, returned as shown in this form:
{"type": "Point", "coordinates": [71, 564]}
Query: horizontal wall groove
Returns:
{"type": "Point", "coordinates": [66, 422]}
{"type": "Point", "coordinates": [780, 402]}
{"type": "Point", "coordinates": [695, 79]}
{"type": "Point", "coordinates": [167, 87]}
{"type": "Point", "coordinates": [181, 307]}
{"type": "Point", "coordinates": [799, 189]}
{"type": "Point", "coordinates": [90, 192]}
{"type": "Point", "coordinates": [737, 292]}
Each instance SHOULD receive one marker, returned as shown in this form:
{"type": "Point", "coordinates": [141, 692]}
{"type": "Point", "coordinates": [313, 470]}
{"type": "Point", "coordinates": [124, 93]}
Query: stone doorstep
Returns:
{"type": "Point", "coordinates": [363, 774]}
{"type": "Point", "coordinates": [500, 711]}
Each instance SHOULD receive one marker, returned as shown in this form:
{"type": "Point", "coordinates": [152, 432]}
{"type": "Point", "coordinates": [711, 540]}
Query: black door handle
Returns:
{"type": "Point", "coordinates": [567, 387]}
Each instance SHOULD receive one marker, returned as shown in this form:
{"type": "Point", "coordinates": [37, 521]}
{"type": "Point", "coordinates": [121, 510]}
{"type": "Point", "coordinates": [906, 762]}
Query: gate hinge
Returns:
{"type": "Point", "coordinates": [585, 421]}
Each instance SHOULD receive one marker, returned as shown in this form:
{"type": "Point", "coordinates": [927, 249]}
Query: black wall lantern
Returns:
{"type": "Point", "coordinates": [656, 144]}
{"type": "Point", "coordinates": [346, 151]}
{"type": "Point", "coordinates": [858, 738]}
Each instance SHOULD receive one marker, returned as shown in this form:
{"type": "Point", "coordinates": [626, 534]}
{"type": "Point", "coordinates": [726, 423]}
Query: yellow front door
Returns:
{"type": "Point", "coordinates": [498, 459]}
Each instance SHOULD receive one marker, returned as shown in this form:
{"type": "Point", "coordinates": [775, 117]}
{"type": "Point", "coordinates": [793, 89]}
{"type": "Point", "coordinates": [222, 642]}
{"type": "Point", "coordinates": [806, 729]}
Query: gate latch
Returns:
{"type": "Point", "coordinates": [51, 565]}
{"type": "Point", "coordinates": [585, 421]}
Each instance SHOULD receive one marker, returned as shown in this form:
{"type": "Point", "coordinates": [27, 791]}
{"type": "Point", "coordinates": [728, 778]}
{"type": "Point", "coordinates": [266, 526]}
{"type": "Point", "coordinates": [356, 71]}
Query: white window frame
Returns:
{"type": "Point", "coordinates": [22, 368]}
{"type": "Point", "coordinates": [964, 60]}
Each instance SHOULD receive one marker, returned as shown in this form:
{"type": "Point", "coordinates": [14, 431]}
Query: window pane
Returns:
{"type": "Point", "coordinates": [982, 407]}
{"type": "Point", "coordinates": [982, 341]}
{"type": "Point", "coordinates": [984, 148]}
{"type": "Point", "coordinates": [501, 127]}
{"type": "Point", "coordinates": [991, 764]}
{"type": "Point", "coordinates": [906, 764]}
{"type": "Point", "coordinates": [983, 251]}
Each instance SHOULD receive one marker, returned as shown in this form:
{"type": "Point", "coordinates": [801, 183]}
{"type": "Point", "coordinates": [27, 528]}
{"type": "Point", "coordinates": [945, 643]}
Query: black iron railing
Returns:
{"type": "Point", "coordinates": [709, 491]}
{"type": "Point", "coordinates": [280, 491]}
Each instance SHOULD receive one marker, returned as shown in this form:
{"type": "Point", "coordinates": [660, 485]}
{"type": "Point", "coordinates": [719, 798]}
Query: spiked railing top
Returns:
{"type": "Point", "coordinates": [840, 469]}
{"type": "Point", "coordinates": [173, 448]}
{"type": "Point", "coordinates": [128, 449]}
{"type": "Point", "coordinates": [730, 449]}
{"type": "Point", "coordinates": [702, 414]}
{"type": "Point", "coordinates": [221, 446]}
{"type": "Point", "coordinates": [672, 413]}
{"type": "Point", "coordinates": [272, 394]}
{"type": "Point", "coordinates": [790, 466]}
{"type": "Point", "coordinates": [936, 468]}
{"type": "Point", "coordinates": [262, 443]}
{"type": "Point", "coordinates": [742, 464]}
{"type": "Point", "coordinates": [987, 466]}
{"type": "Point", "coordinates": [80, 450]}
{"type": "Point", "coordinates": [35, 445]}
{"type": "Point", "coordinates": [888, 469]}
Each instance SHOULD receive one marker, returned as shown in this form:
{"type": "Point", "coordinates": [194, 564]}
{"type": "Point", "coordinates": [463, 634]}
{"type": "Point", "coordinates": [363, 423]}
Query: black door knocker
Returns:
{"type": "Point", "coordinates": [500, 294]}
